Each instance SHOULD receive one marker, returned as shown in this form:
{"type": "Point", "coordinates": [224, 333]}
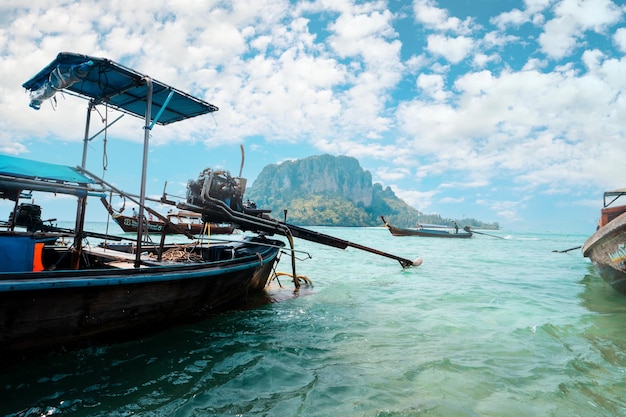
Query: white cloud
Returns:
{"type": "Point", "coordinates": [392, 174]}
{"type": "Point", "coordinates": [452, 200]}
{"type": "Point", "coordinates": [460, 185]}
{"type": "Point", "coordinates": [516, 17]}
{"type": "Point", "coordinates": [513, 18]}
{"type": "Point", "coordinates": [507, 210]}
{"type": "Point", "coordinates": [525, 122]}
{"type": "Point", "coordinates": [498, 39]}
{"type": "Point", "coordinates": [433, 86]}
{"type": "Point", "coordinates": [482, 60]}
{"type": "Point", "coordinates": [620, 39]}
{"type": "Point", "coordinates": [352, 32]}
{"type": "Point", "coordinates": [572, 18]}
{"type": "Point", "coordinates": [535, 6]}
{"type": "Point", "coordinates": [453, 49]}
{"type": "Point", "coordinates": [590, 14]}
{"type": "Point", "coordinates": [427, 13]}
{"type": "Point", "coordinates": [420, 200]}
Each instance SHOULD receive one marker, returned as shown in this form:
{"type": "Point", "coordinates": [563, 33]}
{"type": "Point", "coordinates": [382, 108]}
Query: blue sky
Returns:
{"type": "Point", "coordinates": [501, 110]}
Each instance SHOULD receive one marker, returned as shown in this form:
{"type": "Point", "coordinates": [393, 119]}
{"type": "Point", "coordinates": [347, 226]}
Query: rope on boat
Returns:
{"type": "Point", "coordinates": [180, 254]}
{"type": "Point", "coordinates": [291, 252]}
{"type": "Point", "coordinates": [302, 279]}
{"type": "Point", "coordinates": [105, 156]}
{"type": "Point", "coordinates": [298, 280]}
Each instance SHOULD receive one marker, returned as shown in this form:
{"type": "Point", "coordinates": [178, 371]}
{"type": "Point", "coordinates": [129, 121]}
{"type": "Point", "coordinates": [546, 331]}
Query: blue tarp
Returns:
{"type": "Point", "coordinates": [105, 81]}
{"type": "Point", "coordinates": [17, 253]}
{"type": "Point", "coordinates": [26, 168]}
{"type": "Point", "coordinates": [18, 175]}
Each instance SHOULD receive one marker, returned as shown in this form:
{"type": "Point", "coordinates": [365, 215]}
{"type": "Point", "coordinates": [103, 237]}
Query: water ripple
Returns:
{"type": "Point", "coordinates": [483, 328]}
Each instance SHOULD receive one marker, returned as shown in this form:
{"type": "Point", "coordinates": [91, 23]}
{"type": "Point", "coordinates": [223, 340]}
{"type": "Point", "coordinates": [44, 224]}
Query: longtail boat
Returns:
{"type": "Point", "coordinates": [606, 248]}
{"type": "Point", "coordinates": [59, 290]}
{"type": "Point", "coordinates": [185, 220]}
{"type": "Point", "coordinates": [432, 231]}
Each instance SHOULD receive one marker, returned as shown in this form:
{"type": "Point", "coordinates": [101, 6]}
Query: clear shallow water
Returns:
{"type": "Point", "coordinates": [485, 327]}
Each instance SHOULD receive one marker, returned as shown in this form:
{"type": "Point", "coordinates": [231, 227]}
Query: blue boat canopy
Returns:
{"type": "Point", "coordinates": [26, 168]}
{"type": "Point", "coordinates": [106, 82]}
{"type": "Point", "coordinates": [17, 174]}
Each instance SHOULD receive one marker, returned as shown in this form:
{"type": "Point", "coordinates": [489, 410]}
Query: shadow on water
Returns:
{"type": "Point", "coordinates": [152, 372]}
{"type": "Point", "coordinates": [597, 366]}
{"type": "Point", "coordinates": [598, 296]}
{"type": "Point", "coordinates": [275, 292]}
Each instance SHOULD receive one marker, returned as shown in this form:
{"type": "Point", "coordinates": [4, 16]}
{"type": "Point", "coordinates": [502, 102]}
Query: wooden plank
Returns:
{"type": "Point", "coordinates": [124, 265]}
{"type": "Point", "coordinates": [117, 255]}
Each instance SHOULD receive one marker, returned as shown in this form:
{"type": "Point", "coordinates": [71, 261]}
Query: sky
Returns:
{"type": "Point", "coordinates": [507, 111]}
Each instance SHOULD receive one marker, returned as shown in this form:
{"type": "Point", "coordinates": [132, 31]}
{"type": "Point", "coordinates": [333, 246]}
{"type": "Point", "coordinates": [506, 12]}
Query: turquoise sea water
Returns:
{"type": "Point", "coordinates": [485, 327]}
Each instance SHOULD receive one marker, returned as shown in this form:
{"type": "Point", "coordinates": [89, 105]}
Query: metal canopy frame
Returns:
{"type": "Point", "coordinates": [611, 196]}
{"type": "Point", "coordinates": [103, 81]}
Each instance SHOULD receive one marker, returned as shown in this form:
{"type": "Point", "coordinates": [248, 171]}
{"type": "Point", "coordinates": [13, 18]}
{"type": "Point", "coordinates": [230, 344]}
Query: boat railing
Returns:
{"type": "Point", "coordinates": [611, 197]}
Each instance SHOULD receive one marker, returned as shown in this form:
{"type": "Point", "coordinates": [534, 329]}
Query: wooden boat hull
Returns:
{"type": "Point", "coordinates": [63, 308]}
{"type": "Point", "coordinates": [606, 248]}
{"type": "Point", "coordinates": [443, 233]}
{"type": "Point", "coordinates": [129, 225]}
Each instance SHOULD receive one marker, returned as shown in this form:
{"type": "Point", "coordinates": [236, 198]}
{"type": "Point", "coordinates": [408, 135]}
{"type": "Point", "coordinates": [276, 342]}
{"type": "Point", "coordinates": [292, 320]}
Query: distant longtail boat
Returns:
{"type": "Point", "coordinates": [429, 231]}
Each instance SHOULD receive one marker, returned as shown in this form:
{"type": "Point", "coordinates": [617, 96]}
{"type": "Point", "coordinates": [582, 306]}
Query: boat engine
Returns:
{"type": "Point", "coordinates": [216, 184]}
{"type": "Point", "coordinates": [29, 216]}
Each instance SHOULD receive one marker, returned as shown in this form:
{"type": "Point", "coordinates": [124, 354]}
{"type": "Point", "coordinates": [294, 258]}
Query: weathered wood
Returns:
{"type": "Point", "coordinates": [606, 248]}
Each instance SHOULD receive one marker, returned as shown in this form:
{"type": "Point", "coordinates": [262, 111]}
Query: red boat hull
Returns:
{"type": "Point", "coordinates": [129, 225]}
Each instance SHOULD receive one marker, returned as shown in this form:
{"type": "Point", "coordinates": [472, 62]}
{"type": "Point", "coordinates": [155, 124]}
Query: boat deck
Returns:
{"type": "Point", "coordinates": [119, 259]}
